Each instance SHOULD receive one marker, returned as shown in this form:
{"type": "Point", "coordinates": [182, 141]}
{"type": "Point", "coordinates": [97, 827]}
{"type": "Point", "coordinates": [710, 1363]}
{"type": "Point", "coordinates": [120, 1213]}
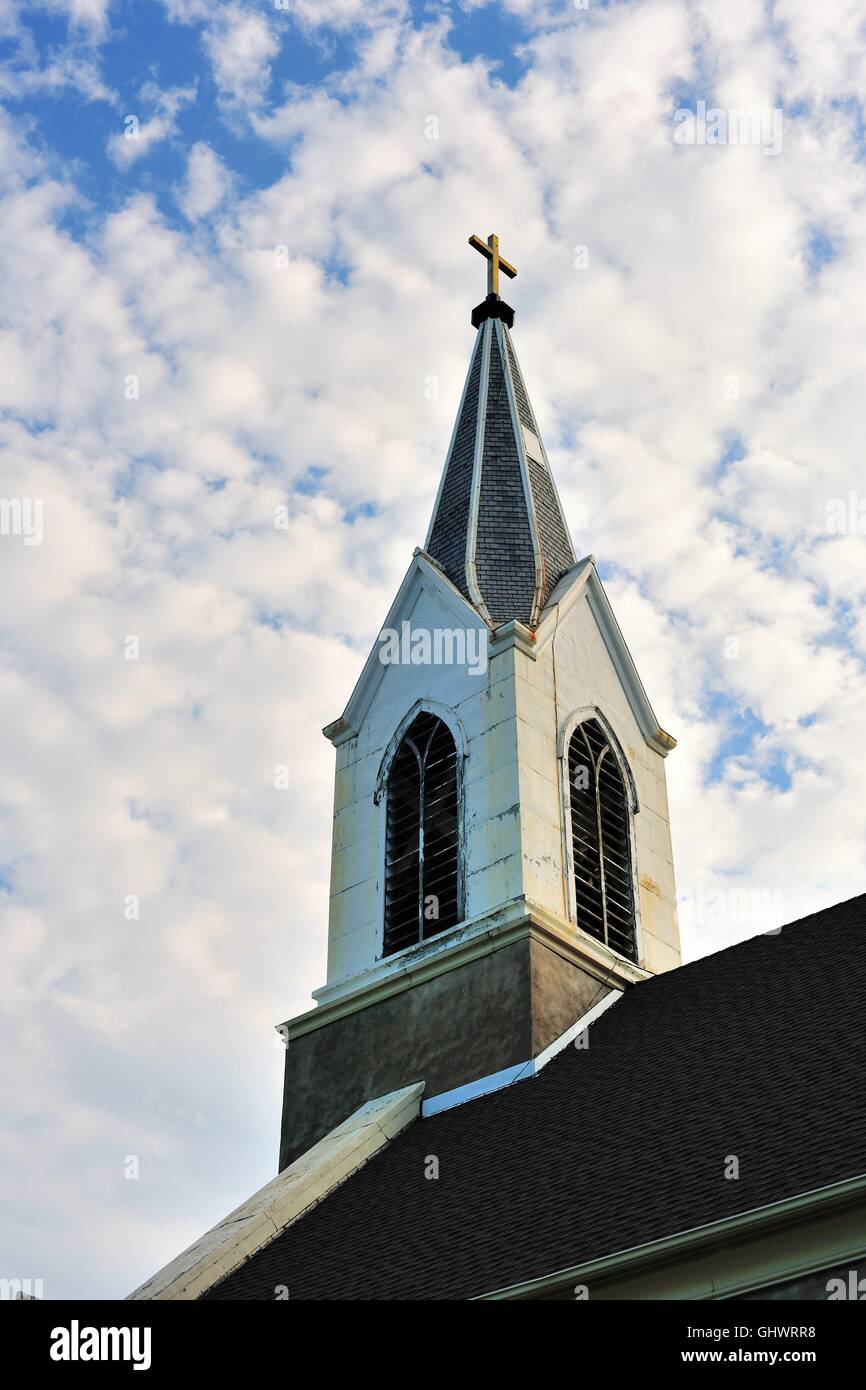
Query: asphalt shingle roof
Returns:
{"type": "Point", "coordinates": [758, 1051]}
{"type": "Point", "coordinates": [502, 544]}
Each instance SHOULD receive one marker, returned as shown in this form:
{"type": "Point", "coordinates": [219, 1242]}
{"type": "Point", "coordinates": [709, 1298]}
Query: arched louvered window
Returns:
{"type": "Point", "coordinates": [601, 845]}
{"type": "Point", "coordinates": [422, 868]}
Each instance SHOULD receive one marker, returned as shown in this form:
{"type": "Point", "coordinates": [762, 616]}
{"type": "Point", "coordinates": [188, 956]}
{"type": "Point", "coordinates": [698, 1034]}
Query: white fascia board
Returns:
{"type": "Point", "coordinates": [521, 1071]}
{"type": "Point", "coordinates": [573, 1033]}
{"type": "Point", "coordinates": [446, 1100]}
{"type": "Point", "coordinates": [422, 573]}
{"type": "Point", "coordinates": [583, 580]}
{"type": "Point", "coordinates": [285, 1199]}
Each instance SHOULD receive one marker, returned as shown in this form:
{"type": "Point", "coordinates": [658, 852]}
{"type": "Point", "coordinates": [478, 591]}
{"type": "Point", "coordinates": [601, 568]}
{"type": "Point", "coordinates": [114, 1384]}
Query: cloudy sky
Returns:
{"type": "Point", "coordinates": [234, 278]}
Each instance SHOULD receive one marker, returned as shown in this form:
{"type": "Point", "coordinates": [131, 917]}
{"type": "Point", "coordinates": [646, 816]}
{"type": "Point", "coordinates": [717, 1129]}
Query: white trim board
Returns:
{"type": "Point", "coordinates": [583, 581]}
{"type": "Point", "coordinates": [423, 572]}
{"type": "Point", "coordinates": [521, 1071]}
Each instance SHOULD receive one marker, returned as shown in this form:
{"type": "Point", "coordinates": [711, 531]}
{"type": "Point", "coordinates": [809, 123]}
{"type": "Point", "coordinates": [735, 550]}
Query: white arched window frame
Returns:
{"type": "Point", "coordinates": [566, 731]}
{"type": "Point", "coordinates": [380, 799]}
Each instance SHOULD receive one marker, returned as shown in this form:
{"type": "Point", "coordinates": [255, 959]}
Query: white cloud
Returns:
{"type": "Point", "coordinates": [92, 16]}
{"type": "Point", "coordinates": [344, 14]}
{"type": "Point", "coordinates": [207, 182]}
{"type": "Point", "coordinates": [240, 39]}
{"type": "Point", "coordinates": [259, 382]}
{"type": "Point", "coordinates": [73, 65]}
{"type": "Point", "coordinates": [140, 134]}
{"type": "Point", "coordinates": [68, 72]}
{"type": "Point", "coordinates": [240, 44]}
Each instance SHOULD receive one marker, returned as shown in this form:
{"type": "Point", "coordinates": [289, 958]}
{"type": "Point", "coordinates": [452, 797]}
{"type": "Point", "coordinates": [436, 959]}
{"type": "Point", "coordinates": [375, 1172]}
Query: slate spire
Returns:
{"type": "Point", "coordinates": [498, 529]}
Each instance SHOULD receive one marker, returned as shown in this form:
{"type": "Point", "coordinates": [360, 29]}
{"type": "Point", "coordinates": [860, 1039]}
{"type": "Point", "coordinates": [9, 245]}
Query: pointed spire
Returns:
{"type": "Point", "coordinates": [498, 529]}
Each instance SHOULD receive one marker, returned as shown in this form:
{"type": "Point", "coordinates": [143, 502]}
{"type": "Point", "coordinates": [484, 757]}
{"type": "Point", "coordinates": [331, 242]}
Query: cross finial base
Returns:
{"type": "Point", "coordinates": [492, 308]}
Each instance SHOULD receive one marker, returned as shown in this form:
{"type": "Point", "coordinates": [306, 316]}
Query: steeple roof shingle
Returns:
{"type": "Point", "coordinates": [498, 529]}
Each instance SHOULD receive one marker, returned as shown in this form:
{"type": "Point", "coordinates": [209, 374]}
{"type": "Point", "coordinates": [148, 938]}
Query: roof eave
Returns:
{"type": "Point", "coordinates": [753, 1222]}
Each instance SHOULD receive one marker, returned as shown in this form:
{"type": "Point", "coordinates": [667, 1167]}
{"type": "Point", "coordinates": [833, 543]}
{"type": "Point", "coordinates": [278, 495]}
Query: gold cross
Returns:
{"type": "Point", "coordinates": [490, 250]}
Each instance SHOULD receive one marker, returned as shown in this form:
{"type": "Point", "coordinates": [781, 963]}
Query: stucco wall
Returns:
{"type": "Point", "coordinates": [479, 1018]}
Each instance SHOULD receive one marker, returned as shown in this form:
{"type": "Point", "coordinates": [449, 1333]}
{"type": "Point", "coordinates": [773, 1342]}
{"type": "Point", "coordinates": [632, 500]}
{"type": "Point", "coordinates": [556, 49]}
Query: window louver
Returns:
{"type": "Point", "coordinates": [422, 882]}
{"type": "Point", "coordinates": [601, 848]}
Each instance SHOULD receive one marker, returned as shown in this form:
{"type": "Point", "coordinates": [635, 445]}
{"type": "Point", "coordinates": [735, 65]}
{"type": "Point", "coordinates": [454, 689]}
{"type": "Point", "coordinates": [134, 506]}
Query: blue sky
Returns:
{"type": "Point", "coordinates": [244, 309]}
{"type": "Point", "coordinates": [144, 45]}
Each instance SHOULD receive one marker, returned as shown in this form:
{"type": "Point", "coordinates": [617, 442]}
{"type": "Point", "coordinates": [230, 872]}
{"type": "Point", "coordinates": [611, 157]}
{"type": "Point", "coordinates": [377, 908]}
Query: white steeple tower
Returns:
{"type": "Point", "coordinates": [501, 854]}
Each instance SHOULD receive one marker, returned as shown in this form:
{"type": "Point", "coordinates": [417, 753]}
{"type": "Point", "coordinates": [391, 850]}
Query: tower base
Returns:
{"type": "Point", "coordinates": [460, 1007]}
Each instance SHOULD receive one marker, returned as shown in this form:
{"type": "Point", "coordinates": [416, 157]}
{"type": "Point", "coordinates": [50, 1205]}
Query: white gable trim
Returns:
{"type": "Point", "coordinates": [521, 1071]}
{"type": "Point", "coordinates": [422, 574]}
{"type": "Point", "coordinates": [583, 581]}
{"type": "Point", "coordinates": [524, 471]}
{"type": "Point", "coordinates": [285, 1199]}
{"type": "Point", "coordinates": [475, 489]}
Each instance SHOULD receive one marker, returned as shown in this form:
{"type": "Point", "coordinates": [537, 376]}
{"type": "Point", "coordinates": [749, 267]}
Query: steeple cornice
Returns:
{"type": "Point", "coordinates": [492, 308]}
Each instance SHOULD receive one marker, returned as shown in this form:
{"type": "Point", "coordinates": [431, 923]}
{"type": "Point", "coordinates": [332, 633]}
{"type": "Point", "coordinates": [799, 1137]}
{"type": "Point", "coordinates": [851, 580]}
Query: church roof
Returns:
{"type": "Point", "coordinates": [757, 1052]}
{"type": "Point", "coordinates": [498, 529]}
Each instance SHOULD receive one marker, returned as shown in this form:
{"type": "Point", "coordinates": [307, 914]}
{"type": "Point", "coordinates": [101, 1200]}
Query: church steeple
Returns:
{"type": "Point", "coordinates": [501, 849]}
{"type": "Point", "coordinates": [502, 866]}
{"type": "Point", "coordinates": [498, 529]}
